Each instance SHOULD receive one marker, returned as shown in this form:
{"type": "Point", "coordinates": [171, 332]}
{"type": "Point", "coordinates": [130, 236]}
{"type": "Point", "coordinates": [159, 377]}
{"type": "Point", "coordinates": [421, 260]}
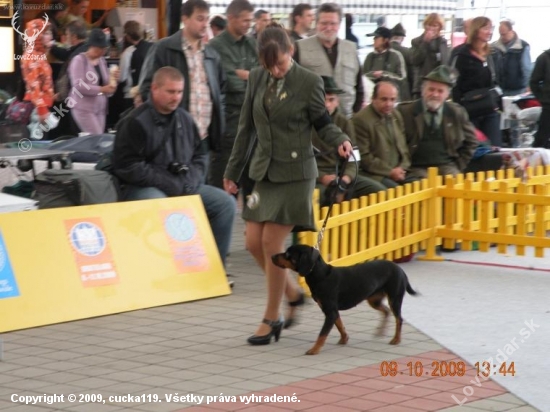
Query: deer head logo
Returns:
{"type": "Point", "coordinates": [29, 39]}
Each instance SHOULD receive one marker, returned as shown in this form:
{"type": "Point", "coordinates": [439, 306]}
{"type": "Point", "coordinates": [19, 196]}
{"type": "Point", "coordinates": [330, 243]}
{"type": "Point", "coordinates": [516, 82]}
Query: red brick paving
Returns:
{"type": "Point", "coordinates": [364, 389]}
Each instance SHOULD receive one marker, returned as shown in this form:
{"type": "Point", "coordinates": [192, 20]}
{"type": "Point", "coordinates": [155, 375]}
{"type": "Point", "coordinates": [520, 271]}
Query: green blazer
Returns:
{"type": "Point", "coordinates": [375, 143]}
{"type": "Point", "coordinates": [283, 151]}
{"type": "Point", "coordinates": [458, 131]}
{"type": "Point", "coordinates": [327, 159]}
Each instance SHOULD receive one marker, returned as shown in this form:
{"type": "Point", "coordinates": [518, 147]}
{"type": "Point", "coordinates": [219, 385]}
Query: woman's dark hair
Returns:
{"type": "Point", "coordinates": [272, 41]}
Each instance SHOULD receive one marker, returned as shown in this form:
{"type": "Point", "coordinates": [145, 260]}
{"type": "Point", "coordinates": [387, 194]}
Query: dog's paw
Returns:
{"type": "Point", "coordinates": [395, 341]}
{"type": "Point", "coordinates": [343, 340]}
{"type": "Point", "coordinates": [313, 351]}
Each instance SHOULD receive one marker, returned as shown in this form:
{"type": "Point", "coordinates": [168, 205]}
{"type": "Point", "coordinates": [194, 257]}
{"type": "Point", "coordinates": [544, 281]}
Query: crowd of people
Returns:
{"type": "Point", "coordinates": [246, 112]}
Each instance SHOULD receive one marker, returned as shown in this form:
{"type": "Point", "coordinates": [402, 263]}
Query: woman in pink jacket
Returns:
{"type": "Point", "coordinates": [91, 86]}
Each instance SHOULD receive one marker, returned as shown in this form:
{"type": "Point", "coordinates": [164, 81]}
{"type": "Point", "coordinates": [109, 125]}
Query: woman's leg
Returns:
{"type": "Point", "coordinates": [253, 239]}
{"type": "Point", "coordinates": [272, 241]}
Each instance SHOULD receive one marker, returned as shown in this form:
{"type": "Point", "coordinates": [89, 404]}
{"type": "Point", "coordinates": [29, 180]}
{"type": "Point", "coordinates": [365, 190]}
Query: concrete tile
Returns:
{"type": "Point", "coordinates": [92, 407]}
{"type": "Point", "coordinates": [64, 366]}
{"type": "Point", "coordinates": [491, 405]}
{"type": "Point", "coordinates": [155, 370]}
{"type": "Point", "coordinates": [28, 350]}
{"type": "Point", "coordinates": [509, 398]}
{"type": "Point", "coordinates": [29, 372]}
{"type": "Point", "coordinates": [126, 376]}
{"type": "Point", "coordinates": [250, 385]}
{"type": "Point", "coordinates": [27, 384]}
{"type": "Point", "coordinates": [246, 373]}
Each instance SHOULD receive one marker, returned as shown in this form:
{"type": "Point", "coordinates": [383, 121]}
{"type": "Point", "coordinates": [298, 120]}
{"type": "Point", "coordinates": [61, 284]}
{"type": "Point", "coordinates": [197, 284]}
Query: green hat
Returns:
{"type": "Point", "coordinates": [398, 30]}
{"type": "Point", "coordinates": [442, 74]}
{"type": "Point", "coordinates": [331, 86]}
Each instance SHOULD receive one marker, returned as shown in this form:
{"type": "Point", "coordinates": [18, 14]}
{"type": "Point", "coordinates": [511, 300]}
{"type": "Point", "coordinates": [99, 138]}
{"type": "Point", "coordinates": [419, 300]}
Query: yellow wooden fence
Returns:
{"type": "Point", "coordinates": [475, 210]}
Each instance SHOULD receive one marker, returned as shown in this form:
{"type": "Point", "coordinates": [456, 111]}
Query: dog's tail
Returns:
{"type": "Point", "coordinates": [410, 290]}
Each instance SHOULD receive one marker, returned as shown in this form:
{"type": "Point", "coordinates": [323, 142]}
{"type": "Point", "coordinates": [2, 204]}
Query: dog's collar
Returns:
{"type": "Point", "coordinates": [312, 267]}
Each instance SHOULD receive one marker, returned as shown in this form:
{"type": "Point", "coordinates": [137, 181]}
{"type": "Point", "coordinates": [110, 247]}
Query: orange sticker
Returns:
{"type": "Point", "coordinates": [91, 251]}
{"type": "Point", "coordinates": [185, 241]}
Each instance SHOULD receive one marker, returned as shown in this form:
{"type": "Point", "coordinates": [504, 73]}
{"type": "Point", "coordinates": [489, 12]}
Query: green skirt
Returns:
{"type": "Point", "coordinates": [287, 203]}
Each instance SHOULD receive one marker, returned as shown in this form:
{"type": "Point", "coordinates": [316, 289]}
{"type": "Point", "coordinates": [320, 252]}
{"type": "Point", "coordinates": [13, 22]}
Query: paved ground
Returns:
{"type": "Point", "coordinates": [466, 314]}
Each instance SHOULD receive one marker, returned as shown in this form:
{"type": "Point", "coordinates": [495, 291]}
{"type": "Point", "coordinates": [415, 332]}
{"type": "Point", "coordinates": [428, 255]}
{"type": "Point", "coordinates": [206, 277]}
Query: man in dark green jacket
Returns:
{"type": "Point", "coordinates": [239, 55]}
{"type": "Point", "coordinates": [327, 158]}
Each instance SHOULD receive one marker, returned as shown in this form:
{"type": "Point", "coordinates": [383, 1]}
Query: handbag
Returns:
{"type": "Point", "coordinates": [63, 188]}
{"type": "Point", "coordinates": [481, 102]}
{"type": "Point", "coordinates": [19, 111]}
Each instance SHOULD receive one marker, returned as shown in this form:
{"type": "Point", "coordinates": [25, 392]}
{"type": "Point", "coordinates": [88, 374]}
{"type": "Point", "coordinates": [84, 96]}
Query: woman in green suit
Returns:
{"type": "Point", "coordinates": [284, 102]}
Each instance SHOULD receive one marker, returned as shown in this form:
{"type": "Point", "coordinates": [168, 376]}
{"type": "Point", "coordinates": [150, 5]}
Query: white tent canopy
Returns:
{"type": "Point", "coordinates": [353, 6]}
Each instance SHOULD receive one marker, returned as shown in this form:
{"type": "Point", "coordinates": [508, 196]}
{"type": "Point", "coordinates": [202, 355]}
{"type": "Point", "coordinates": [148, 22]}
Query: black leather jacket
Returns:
{"type": "Point", "coordinates": [147, 143]}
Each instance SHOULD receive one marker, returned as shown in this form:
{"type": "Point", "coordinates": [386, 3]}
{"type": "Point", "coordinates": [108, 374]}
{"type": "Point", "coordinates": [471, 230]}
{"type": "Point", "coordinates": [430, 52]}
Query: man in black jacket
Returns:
{"type": "Point", "coordinates": [201, 68]}
{"type": "Point", "coordinates": [540, 86]}
{"type": "Point", "coordinates": [158, 153]}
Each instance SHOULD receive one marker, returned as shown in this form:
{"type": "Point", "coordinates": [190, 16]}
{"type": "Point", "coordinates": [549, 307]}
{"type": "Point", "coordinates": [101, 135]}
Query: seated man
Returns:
{"type": "Point", "coordinates": [439, 132]}
{"type": "Point", "coordinates": [158, 153]}
{"type": "Point", "coordinates": [381, 138]}
{"type": "Point", "coordinates": [327, 159]}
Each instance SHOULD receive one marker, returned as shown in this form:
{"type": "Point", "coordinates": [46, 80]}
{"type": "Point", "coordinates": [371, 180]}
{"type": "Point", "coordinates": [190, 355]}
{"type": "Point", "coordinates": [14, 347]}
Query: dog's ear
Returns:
{"type": "Point", "coordinates": [308, 256]}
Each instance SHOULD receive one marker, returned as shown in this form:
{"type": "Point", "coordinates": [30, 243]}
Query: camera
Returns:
{"type": "Point", "coordinates": [177, 168]}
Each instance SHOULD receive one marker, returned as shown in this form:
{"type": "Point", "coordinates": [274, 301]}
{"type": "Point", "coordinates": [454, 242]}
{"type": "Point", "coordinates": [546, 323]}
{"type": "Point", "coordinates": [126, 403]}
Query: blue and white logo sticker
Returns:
{"type": "Point", "coordinates": [8, 285]}
{"type": "Point", "coordinates": [87, 239]}
{"type": "Point", "coordinates": [180, 227]}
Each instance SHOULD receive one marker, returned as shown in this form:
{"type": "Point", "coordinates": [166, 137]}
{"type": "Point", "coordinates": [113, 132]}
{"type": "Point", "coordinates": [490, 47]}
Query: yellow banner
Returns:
{"type": "Point", "coordinates": [79, 262]}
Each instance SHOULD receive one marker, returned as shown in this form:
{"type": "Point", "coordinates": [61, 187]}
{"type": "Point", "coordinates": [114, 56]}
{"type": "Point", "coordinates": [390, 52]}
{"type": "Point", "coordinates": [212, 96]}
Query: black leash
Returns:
{"type": "Point", "coordinates": [339, 181]}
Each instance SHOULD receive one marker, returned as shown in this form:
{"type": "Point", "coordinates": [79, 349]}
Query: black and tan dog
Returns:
{"type": "Point", "coordinates": [341, 288]}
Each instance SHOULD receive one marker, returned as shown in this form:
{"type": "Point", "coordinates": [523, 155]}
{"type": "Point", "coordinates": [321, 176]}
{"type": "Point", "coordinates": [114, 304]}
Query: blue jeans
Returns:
{"type": "Point", "coordinates": [220, 209]}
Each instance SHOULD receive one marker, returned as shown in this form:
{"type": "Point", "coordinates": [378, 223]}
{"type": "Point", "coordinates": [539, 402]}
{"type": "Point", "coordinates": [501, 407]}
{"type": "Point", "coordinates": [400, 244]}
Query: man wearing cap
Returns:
{"type": "Point", "coordinates": [327, 55]}
{"type": "Point", "coordinates": [381, 138]}
{"type": "Point", "coordinates": [439, 133]}
{"type": "Point", "coordinates": [398, 34]}
{"type": "Point", "coordinates": [352, 184]}
{"type": "Point", "coordinates": [384, 63]}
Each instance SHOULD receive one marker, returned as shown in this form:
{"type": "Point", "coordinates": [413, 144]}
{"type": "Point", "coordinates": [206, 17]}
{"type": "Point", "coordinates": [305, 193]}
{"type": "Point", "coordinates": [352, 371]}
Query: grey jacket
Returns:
{"type": "Point", "coordinates": [169, 52]}
{"type": "Point", "coordinates": [426, 56]}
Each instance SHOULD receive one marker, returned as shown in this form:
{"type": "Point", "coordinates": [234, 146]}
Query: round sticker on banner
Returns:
{"type": "Point", "coordinates": [87, 239]}
{"type": "Point", "coordinates": [180, 227]}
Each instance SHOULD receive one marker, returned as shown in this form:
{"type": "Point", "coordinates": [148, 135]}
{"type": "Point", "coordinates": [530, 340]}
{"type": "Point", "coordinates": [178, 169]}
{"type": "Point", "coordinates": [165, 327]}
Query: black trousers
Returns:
{"type": "Point", "coordinates": [542, 137]}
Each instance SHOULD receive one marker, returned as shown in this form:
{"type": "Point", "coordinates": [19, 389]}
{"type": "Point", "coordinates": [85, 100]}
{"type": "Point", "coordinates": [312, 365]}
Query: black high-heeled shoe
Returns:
{"type": "Point", "coordinates": [298, 302]}
{"type": "Point", "coordinates": [276, 327]}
